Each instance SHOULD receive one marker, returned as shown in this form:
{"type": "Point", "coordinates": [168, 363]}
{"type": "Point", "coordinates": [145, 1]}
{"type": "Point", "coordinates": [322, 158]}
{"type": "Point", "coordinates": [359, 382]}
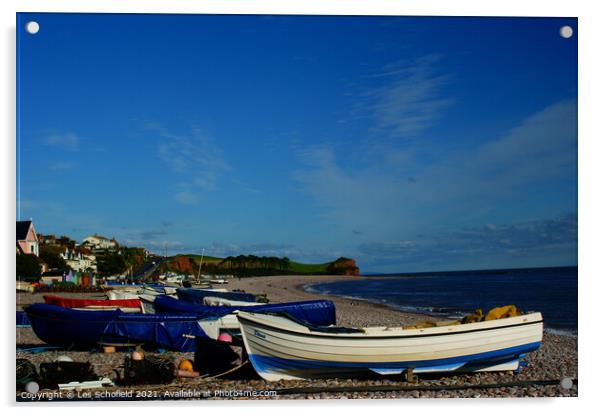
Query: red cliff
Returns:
{"type": "Point", "coordinates": [181, 264]}
{"type": "Point", "coordinates": [343, 266]}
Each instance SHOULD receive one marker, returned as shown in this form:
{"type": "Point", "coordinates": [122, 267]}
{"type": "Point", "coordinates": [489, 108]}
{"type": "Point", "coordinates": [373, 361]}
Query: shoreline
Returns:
{"type": "Point", "coordinates": [350, 312]}
{"type": "Point", "coordinates": [425, 315]}
{"type": "Point", "coordinates": [555, 359]}
{"type": "Point", "coordinates": [299, 282]}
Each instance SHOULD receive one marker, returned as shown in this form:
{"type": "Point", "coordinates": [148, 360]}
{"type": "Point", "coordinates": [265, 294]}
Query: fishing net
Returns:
{"type": "Point", "coordinates": [26, 372]}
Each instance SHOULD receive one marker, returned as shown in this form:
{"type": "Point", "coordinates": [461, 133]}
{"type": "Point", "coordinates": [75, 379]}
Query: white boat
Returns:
{"type": "Point", "coordinates": [175, 279]}
{"type": "Point", "coordinates": [217, 301]}
{"type": "Point", "coordinates": [148, 291]}
{"type": "Point", "coordinates": [120, 288]}
{"type": "Point", "coordinates": [280, 348]}
{"type": "Point", "coordinates": [213, 327]}
{"type": "Point", "coordinates": [23, 286]}
{"type": "Point", "coordinates": [147, 303]}
{"type": "Point", "coordinates": [121, 295]}
{"type": "Point", "coordinates": [155, 291]}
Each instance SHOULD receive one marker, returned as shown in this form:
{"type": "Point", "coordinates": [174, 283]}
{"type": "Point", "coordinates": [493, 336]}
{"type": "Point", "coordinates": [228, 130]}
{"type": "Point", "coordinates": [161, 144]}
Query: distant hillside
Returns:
{"type": "Point", "coordinates": [251, 265]}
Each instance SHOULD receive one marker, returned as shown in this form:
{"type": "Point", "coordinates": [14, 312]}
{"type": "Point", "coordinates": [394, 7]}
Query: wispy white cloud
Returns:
{"type": "Point", "coordinates": [527, 242]}
{"type": "Point", "coordinates": [145, 234]}
{"type": "Point", "coordinates": [543, 145]}
{"type": "Point", "coordinates": [361, 199]}
{"type": "Point", "coordinates": [375, 198]}
{"type": "Point", "coordinates": [158, 245]}
{"type": "Point", "coordinates": [541, 148]}
{"type": "Point", "coordinates": [186, 197]}
{"type": "Point", "coordinates": [194, 155]}
{"type": "Point", "coordinates": [273, 249]}
{"type": "Point", "coordinates": [407, 99]}
{"type": "Point", "coordinates": [66, 141]}
{"type": "Point", "coordinates": [245, 187]}
{"type": "Point", "coordinates": [61, 166]}
{"type": "Point", "coordinates": [27, 204]}
{"type": "Point", "coordinates": [148, 238]}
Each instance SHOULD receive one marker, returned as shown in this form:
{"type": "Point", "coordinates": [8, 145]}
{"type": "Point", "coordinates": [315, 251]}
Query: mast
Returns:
{"type": "Point", "coordinates": [200, 266]}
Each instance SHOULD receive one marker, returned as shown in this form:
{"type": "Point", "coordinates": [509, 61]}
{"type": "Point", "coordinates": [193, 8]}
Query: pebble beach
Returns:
{"type": "Point", "coordinates": [556, 358]}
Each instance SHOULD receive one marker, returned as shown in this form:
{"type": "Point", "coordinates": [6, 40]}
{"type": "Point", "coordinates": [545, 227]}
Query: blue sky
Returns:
{"type": "Point", "coordinates": [407, 143]}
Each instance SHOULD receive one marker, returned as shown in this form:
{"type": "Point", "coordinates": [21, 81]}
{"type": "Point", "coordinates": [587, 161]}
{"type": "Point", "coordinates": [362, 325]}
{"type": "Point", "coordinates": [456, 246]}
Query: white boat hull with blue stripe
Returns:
{"type": "Point", "coordinates": [280, 348]}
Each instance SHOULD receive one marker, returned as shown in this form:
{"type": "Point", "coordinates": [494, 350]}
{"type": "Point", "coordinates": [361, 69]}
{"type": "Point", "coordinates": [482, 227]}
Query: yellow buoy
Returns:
{"type": "Point", "coordinates": [473, 318]}
{"type": "Point", "coordinates": [502, 312]}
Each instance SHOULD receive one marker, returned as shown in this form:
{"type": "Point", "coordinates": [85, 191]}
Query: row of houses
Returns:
{"type": "Point", "coordinates": [79, 257]}
{"type": "Point", "coordinates": [75, 277]}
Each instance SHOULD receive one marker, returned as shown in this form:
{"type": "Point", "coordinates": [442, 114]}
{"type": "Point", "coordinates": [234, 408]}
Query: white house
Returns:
{"type": "Point", "coordinates": [79, 261]}
{"type": "Point", "coordinates": [99, 242]}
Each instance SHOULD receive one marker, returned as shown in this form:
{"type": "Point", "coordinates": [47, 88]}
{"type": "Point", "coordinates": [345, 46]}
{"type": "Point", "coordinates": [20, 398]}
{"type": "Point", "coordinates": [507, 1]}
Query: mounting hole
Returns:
{"type": "Point", "coordinates": [32, 27]}
{"type": "Point", "coordinates": [566, 383]}
{"type": "Point", "coordinates": [32, 387]}
{"type": "Point", "coordinates": [566, 31]}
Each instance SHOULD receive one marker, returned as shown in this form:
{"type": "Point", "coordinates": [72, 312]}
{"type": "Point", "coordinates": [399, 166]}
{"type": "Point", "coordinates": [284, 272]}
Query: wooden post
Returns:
{"type": "Point", "coordinates": [410, 375]}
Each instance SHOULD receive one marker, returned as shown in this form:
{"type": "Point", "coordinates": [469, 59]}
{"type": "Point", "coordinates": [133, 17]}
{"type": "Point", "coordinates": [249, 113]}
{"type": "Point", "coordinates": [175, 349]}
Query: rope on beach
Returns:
{"type": "Point", "coordinates": [185, 383]}
{"type": "Point", "coordinates": [205, 377]}
{"type": "Point", "coordinates": [401, 388]}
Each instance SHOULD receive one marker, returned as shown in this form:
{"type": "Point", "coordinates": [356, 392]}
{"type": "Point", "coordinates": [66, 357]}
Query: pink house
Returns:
{"type": "Point", "coordinates": [27, 239]}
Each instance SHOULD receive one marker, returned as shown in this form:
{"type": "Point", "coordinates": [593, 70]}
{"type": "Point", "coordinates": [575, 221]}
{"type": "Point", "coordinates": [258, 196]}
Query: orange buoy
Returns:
{"type": "Point", "coordinates": [186, 365]}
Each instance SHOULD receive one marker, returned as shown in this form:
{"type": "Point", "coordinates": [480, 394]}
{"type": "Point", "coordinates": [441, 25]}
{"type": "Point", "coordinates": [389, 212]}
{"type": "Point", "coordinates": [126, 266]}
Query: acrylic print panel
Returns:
{"type": "Point", "coordinates": [413, 173]}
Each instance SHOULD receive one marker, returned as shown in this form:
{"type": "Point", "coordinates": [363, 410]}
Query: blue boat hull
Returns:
{"type": "Point", "coordinates": [312, 369]}
{"type": "Point", "coordinates": [22, 320]}
{"type": "Point", "coordinates": [85, 330]}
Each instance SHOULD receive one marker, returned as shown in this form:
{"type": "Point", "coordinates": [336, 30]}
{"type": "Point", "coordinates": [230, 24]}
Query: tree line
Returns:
{"type": "Point", "coordinates": [249, 265]}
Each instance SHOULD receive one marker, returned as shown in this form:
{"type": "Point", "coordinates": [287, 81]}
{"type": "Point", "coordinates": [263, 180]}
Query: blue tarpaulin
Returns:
{"type": "Point", "coordinates": [68, 328]}
{"type": "Point", "coordinates": [196, 296]}
{"type": "Point", "coordinates": [171, 331]}
{"type": "Point", "coordinates": [318, 313]}
{"type": "Point", "coordinates": [84, 330]}
{"type": "Point", "coordinates": [22, 320]}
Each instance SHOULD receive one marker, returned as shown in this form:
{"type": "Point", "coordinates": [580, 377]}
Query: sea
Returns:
{"type": "Point", "coordinates": [551, 291]}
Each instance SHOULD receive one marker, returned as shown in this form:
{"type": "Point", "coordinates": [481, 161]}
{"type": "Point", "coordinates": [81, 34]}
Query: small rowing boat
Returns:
{"type": "Point", "coordinates": [217, 301]}
{"type": "Point", "coordinates": [280, 348]}
{"type": "Point", "coordinates": [145, 295]}
{"type": "Point", "coordinates": [127, 306]}
{"type": "Point", "coordinates": [174, 327]}
{"type": "Point", "coordinates": [196, 296]}
{"type": "Point", "coordinates": [121, 295]}
{"type": "Point", "coordinates": [215, 319]}
{"type": "Point", "coordinates": [147, 302]}
{"type": "Point", "coordinates": [84, 330]}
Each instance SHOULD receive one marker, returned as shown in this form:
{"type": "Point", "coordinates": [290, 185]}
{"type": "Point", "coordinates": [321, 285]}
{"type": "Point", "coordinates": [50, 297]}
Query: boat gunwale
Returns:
{"type": "Point", "coordinates": [364, 335]}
